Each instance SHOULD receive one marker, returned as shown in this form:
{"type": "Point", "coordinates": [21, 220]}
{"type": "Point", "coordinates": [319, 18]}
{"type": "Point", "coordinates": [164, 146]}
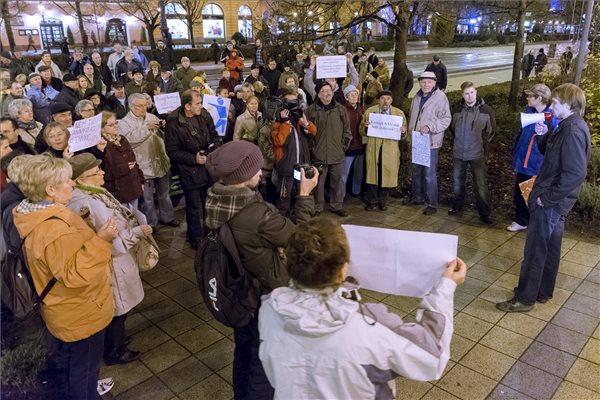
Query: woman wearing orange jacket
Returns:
{"type": "Point", "coordinates": [235, 65]}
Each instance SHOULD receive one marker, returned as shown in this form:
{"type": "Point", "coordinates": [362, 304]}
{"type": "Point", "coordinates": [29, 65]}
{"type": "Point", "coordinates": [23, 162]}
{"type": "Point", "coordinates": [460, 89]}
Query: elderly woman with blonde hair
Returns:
{"type": "Point", "coordinates": [67, 258]}
{"type": "Point", "coordinates": [21, 110]}
{"type": "Point", "coordinates": [91, 197]}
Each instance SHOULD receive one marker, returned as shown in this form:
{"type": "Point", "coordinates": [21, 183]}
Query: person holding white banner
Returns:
{"type": "Point", "coordinates": [429, 115]}
{"type": "Point", "coordinates": [382, 153]}
{"type": "Point", "coordinates": [319, 341]}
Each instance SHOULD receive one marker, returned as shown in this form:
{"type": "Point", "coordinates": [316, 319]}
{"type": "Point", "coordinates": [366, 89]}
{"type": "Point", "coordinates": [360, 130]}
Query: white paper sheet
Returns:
{"type": "Point", "coordinates": [218, 107]}
{"type": "Point", "coordinates": [165, 103]}
{"type": "Point", "coordinates": [402, 263]}
{"type": "Point", "coordinates": [421, 149]}
{"type": "Point", "coordinates": [331, 67]}
{"type": "Point", "coordinates": [384, 126]}
{"type": "Point", "coordinates": [85, 133]}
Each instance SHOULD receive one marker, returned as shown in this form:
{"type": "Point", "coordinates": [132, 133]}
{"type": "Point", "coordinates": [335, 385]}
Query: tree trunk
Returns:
{"type": "Point", "coordinates": [399, 78]}
{"type": "Point", "coordinates": [190, 25]}
{"type": "Point", "coordinates": [8, 26]}
{"type": "Point", "coordinates": [150, 28]}
{"type": "Point", "coordinates": [513, 97]}
{"type": "Point", "coordinates": [82, 32]}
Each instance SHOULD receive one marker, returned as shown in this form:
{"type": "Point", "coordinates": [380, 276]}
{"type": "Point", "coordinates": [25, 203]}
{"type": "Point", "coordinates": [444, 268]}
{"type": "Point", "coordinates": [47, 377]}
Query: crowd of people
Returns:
{"type": "Point", "coordinates": [82, 215]}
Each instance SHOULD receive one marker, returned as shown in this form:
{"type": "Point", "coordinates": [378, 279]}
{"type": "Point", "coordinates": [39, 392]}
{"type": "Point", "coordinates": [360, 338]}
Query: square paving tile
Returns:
{"type": "Point", "coordinates": [461, 300]}
{"type": "Point", "coordinates": [548, 359]}
{"type": "Point", "coordinates": [217, 355]}
{"type": "Point", "coordinates": [176, 286]}
{"type": "Point", "coordinates": [179, 323]}
{"type": "Point", "coordinates": [409, 389]}
{"type": "Point", "coordinates": [437, 394]}
{"type": "Point", "coordinates": [164, 356]}
{"type": "Point", "coordinates": [509, 250]}
{"type": "Point", "coordinates": [473, 286]}
{"type": "Point", "coordinates": [470, 255]}
{"type": "Point", "coordinates": [125, 376]}
{"type": "Point", "coordinates": [483, 273]}
{"type": "Point", "coordinates": [571, 391]}
{"type": "Point", "coordinates": [594, 276]}
{"type": "Point", "coordinates": [470, 327]}
{"type": "Point", "coordinates": [522, 323]}
{"type": "Point", "coordinates": [406, 304]}
{"type": "Point", "coordinates": [188, 298]}
{"type": "Point", "coordinates": [505, 341]}
{"type": "Point", "coordinates": [562, 339]}
{"type": "Point", "coordinates": [184, 374]}
{"type": "Point", "coordinates": [152, 389]}
{"type": "Point", "coordinates": [199, 338]}
{"type": "Point", "coordinates": [214, 388]}
{"type": "Point", "coordinates": [589, 260]}
{"type": "Point", "coordinates": [498, 262]}
{"type": "Point", "coordinates": [589, 289]}
{"type": "Point", "coordinates": [531, 381]}
{"type": "Point", "coordinates": [484, 310]}
{"type": "Point", "coordinates": [567, 282]}
{"type": "Point", "coordinates": [136, 322]}
{"type": "Point", "coordinates": [459, 346]}
{"type": "Point", "coordinates": [588, 248]}
{"type": "Point", "coordinates": [575, 321]}
{"type": "Point", "coordinates": [502, 392]}
{"type": "Point", "coordinates": [162, 310]}
{"type": "Point", "coordinates": [227, 373]}
{"type": "Point", "coordinates": [496, 294]}
{"type": "Point", "coordinates": [158, 277]}
{"type": "Point", "coordinates": [488, 362]}
{"type": "Point", "coordinates": [591, 351]}
{"type": "Point", "coordinates": [151, 297]}
{"type": "Point", "coordinates": [577, 270]}
{"type": "Point", "coordinates": [483, 244]}
{"type": "Point", "coordinates": [586, 374]}
{"type": "Point", "coordinates": [584, 304]}
{"type": "Point", "coordinates": [507, 281]}
{"type": "Point", "coordinates": [545, 311]}
{"type": "Point", "coordinates": [466, 383]}
{"type": "Point", "coordinates": [148, 339]}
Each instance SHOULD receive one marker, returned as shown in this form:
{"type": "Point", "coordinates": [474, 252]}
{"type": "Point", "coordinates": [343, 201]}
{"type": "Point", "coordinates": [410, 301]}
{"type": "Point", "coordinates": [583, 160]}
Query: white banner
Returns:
{"type": "Point", "coordinates": [402, 263]}
{"type": "Point", "coordinates": [331, 67]}
{"type": "Point", "coordinates": [85, 133]}
{"type": "Point", "coordinates": [165, 103]}
{"type": "Point", "coordinates": [384, 126]}
{"type": "Point", "coordinates": [421, 149]}
{"type": "Point", "coordinates": [218, 107]}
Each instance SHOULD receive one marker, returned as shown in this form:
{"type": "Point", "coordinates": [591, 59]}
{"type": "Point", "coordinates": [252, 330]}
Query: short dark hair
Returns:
{"type": "Point", "coordinates": [282, 92]}
{"type": "Point", "coordinates": [188, 96]}
{"type": "Point", "coordinates": [467, 84]}
{"type": "Point", "coordinates": [117, 85]}
{"type": "Point", "coordinates": [14, 123]}
{"type": "Point", "coordinates": [316, 253]}
{"type": "Point", "coordinates": [150, 87]}
{"type": "Point", "coordinates": [221, 88]}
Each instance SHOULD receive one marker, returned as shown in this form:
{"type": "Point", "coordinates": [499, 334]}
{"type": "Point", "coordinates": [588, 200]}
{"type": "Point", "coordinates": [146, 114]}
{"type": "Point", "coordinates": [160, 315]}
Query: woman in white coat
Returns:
{"type": "Point", "coordinates": [97, 205]}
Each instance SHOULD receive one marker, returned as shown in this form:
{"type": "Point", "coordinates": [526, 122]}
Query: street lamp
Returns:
{"type": "Point", "coordinates": [41, 8]}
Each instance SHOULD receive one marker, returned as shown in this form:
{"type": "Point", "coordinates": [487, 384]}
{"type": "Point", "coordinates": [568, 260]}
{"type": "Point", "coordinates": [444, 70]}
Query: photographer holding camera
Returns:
{"type": "Point", "coordinates": [318, 341]}
{"type": "Point", "coordinates": [260, 234]}
{"type": "Point", "coordinates": [190, 135]}
{"type": "Point", "coordinates": [291, 145]}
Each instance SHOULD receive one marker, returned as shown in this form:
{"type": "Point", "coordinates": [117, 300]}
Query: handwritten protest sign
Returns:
{"type": "Point", "coordinates": [398, 262]}
{"type": "Point", "coordinates": [218, 107]}
{"type": "Point", "coordinates": [85, 133]}
{"type": "Point", "coordinates": [165, 103]}
{"type": "Point", "coordinates": [331, 67]}
{"type": "Point", "coordinates": [384, 126]}
{"type": "Point", "coordinates": [421, 149]}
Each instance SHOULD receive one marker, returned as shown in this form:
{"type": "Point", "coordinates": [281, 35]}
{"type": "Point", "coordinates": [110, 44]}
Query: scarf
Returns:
{"type": "Point", "coordinates": [109, 201]}
{"type": "Point", "coordinates": [27, 125]}
{"type": "Point", "coordinates": [224, 202]}
{"type": "Point", "coordinates": [327, 107]}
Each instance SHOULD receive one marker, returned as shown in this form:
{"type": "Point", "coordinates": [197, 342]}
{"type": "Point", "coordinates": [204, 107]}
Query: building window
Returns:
{"type": "Point", "coordinates": [52, 32]}
{"type": "Point", "coordinates": [176, 21]}
{"type": "Point", "coordinates": [245, 21]}
{"type": "Point", "coordinates": [116, 31]}
{"type": "Point", "coordinates": [213, 25]}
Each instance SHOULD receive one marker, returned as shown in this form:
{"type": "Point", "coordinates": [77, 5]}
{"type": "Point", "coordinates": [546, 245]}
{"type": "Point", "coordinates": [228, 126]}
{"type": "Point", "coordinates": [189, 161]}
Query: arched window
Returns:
{"type": "Point", "coordinates": [176, 21]}
{"type": "Point", "coordinates": [245, 21]}
{"type": "Point", "coordinates": [213, 25]}
{"type": "Point", "coordinates": [116, 31]}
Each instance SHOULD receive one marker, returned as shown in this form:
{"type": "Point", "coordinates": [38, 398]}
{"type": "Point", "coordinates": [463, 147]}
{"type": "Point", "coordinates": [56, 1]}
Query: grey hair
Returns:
{"type": "Point", "coordinates": [15, 107]}
{"type": "Point", "coordinates": [81, 104]}
{"type": "Point", "coordinates": [135, 96]}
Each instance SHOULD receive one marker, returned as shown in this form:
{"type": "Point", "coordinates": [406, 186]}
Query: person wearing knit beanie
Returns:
{"type": "Point", "coordinates": [235, 162]}
{"type": "Point", "coordinates": [320, 84]}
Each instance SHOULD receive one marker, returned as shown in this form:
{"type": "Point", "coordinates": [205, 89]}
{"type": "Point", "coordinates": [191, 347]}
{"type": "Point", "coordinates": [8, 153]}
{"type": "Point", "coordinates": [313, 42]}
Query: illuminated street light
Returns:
{"type": "Point", "coordinates": [310, 13]}
{"type": "Point", "coordinates": [295, 14]}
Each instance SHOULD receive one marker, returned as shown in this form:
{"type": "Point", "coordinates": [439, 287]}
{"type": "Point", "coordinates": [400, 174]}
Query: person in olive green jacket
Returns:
{"type": "Point", "coordinates": [185, 73]}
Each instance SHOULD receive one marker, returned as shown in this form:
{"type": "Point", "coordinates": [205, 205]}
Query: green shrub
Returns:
{"type": "Point", "coordinates": [70, 37]}
{"type": "Point", "coordinates": [591, 86]}
{"type": "Point", "coordinates": [143, 34]}
{"type": "Point", "coordinates": [589, 200]}
{"type": "Point", "coordinates": [21, 365]}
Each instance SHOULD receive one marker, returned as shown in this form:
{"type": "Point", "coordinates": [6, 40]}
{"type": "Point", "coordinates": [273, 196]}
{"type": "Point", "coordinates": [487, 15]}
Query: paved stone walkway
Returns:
{"type": "Point", "coordinates": [552, 352]}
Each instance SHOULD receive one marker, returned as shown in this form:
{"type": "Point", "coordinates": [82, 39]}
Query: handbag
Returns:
{"type": "Point", "coordinates": [146, 253]}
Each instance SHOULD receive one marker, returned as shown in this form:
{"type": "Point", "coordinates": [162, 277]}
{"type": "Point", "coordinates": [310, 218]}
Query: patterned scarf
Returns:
{"type": "Point", "coordinates": [223, 202]}
{"type": "Point", "coordinates": [109, 201]}
{"type": "Point", "coordinates": [27, 207]}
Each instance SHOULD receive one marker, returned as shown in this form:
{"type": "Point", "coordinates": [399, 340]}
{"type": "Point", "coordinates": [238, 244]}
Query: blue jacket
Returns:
{"type": "Point", "coordinates": [41, 104]}
{"type": "Point", "coordinates": [522, 163]}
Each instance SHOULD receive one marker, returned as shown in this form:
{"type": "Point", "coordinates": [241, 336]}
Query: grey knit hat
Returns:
{"type": "Point", "coordinates": [234, 162]}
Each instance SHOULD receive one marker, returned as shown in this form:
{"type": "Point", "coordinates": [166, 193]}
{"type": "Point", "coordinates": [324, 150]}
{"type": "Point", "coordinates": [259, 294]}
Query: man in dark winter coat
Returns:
{"type": "Point", "coordinates": [473, 125]}
{"type": "Point", "coordinates": [102, 70]}
{"type": "Point", "coordinates": [164, 56]}
{"type": "Point", "coordinates": [190, 133]}
{"type": "Point", "coordinates": [69, 93]}
{"type": "Point", "coordinates": [441, 74]}
{"type": "Point", "coordinates": [272, 75]}
{"type": "Point", "coordinates": [555, 191]}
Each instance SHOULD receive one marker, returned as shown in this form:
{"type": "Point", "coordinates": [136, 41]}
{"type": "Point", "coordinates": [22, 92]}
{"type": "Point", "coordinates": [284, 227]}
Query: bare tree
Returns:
{"type": "Point", "coordinates": [74, 8]}
{"type": "Point", "coordinates": [7, 12]}
{"type": "Point", "coordinates": [193, 9]}
{"type": "Point", "coordinates": [145, 12]}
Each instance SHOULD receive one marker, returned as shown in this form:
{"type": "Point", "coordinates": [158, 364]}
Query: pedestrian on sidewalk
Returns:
{"type": "Point", "coordinates": [215, 51]}
{"type": "Point", "coordinates": [440, 71]}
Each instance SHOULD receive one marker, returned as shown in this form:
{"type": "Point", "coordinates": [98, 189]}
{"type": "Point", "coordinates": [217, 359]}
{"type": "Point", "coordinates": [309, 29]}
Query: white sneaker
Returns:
{"type": "Point", "coordinates": [104, 385]}
{"type": "Point", "coordinates": [514, 227]}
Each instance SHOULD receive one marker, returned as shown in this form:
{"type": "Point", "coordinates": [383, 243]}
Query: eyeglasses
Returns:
{"type": "Point", "coordinates": [98, 172]}
{"type": "Point", "coordinates": [88, 110]}
{"type": "Point", "coordinates": [113, 124]}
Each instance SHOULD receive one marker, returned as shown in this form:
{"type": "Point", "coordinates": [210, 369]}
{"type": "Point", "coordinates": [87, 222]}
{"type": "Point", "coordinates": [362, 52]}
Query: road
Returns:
{"type": "Point", "coordinates": [483, 65]}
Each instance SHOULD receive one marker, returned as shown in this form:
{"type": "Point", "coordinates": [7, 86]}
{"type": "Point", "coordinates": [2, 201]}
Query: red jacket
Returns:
{"type": "Point", "coordinates": [284, 146]}
{"type": "Point", "coordinates": [235, 65]}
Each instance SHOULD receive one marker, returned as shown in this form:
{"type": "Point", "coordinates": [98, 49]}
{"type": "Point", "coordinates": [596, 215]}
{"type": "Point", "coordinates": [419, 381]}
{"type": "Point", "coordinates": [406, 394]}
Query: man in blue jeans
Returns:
{"type": "Point", "coordinates": [473, 126]}
{"type": "Point", "coordinates": [566, 155]}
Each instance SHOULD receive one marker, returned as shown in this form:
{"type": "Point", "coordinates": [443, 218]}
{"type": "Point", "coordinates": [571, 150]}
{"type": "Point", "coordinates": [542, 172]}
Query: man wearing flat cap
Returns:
{"type": "Point", "coordinates": [383, 155]}
{"type": "Point", "coordinates": [69, 93]}
{"type": "Point", "coordinates": [260, 233]}
{"type": "Point", "coordinates": [430, 115]}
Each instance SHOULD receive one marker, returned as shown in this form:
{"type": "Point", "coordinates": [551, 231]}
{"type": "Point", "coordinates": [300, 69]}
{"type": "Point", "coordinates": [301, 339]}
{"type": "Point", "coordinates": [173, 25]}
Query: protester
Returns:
{"type": "Point", "coordinates": [372, 88]}
{"type": "Point", "coordinates": [153, 72]}
{"type": "Point", "coordinates": [61, 247]}
{"type": "Point", "coordinates": [440, 71]}
{"type": "Point", "coordinates": [117, 102]}
{"type": "Point", "coordinates": [123, 178]}
{"type": "Point", "coordinates": [125, 66]}
{"type": "Point", "coordinates": [113, 59]}
{"type": "Point", "coordinates": [89, 196]}
{"type": "Point", "coordinates": [137, 83]}
{"type": "Point", "coordinates": [350, 350]}
{"type": "Point", "coordinates": [473, 127]}
{"type": "Point", "coordinates": [168, 83]}
{"type": "Point", "coordinates": [430, 115]}
{"type": "Point", "coordinates": [527, 64]}
{"type": "Point", "coordinates": [382, 155]}
{"type": "Point", "coordinates": [97, 99]}
{"type": "Point", "coordinates": [69, 94]}
{"type": "Point", "coordinates": [57, 136]}
{"type": "Point", "coordinates": [540, 61]}
{"type": "Point", "coordinates": [77, 61]}
{"type": "Point", "coordinates": [39, 99]}
{"type": "Point", "coordinates": [94, 78]}
{"type": "Point", "coordinates": [21, 110]}
{"type": "Point", "coordinates": [255, 75]}
{"type": "Point", "coordinates": [331, 142]}
{"type": "Point", "coordinates": [363, 67]}
{"type": "Point", "coordinates": [286, 74]}
{"type": "Point", "coordinates": [260, 233]}
{"type": "Point", "coordinates": [383, 74]}
{"type": "Point", "coordinates": [558, 185]}
{"type": "Point", "coordinates": [83, 85]}
{"type": "Point", "coordinates": [259, 54]}
{"type": "Point", "coordinates": [527, 158]}
{"type": "Point", "coordinates": [9, 128]}
{"type": "Point", "coordinates": [85, 109]}
{"type": "Point", "coordinates": [185, 73]}
{"type": "Point", "coordinates": [47, 61]}
{"type": "Point", "coordinates": [141, 130]}
{"type": "Point", "coordinates": [355, 154]}
{"type": "Point", "coordinates": [16, 92]}
{"type": "Point", "coordinates": [139, 56]}
{"type": "Point", "coordinates": [101, 70]}
{"type": "Point", "coordinates": [235, 65]}
{"type": "Point", "coordinates": [20, 65]}
{"type": "Point", "coordinates": [215, 51]}
{"type": "Point", "coordinates": [228, 82]}
{"type": "Point", "coordinates": [51, 85]}
{"type": "Point", "coordinates": [190, 136]}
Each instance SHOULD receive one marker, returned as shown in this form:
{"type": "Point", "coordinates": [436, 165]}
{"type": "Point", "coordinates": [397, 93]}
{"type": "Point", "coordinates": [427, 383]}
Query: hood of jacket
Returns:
{"type": "Point", "coordinates": [27, 222]}
{"type": "Point", "coordinates": [10, 195]}
{"type": "Point", "coordinates": [224, 202]}
{"type": "Point", "coordinates": [310, 312]}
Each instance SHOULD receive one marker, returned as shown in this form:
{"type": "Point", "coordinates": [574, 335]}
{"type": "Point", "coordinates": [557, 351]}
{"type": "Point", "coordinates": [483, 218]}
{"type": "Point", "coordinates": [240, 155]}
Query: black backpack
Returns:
{"type": "Point", "coordinates": [230, 292]}
{"type": "Point", "coordinates": [18, 291]}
